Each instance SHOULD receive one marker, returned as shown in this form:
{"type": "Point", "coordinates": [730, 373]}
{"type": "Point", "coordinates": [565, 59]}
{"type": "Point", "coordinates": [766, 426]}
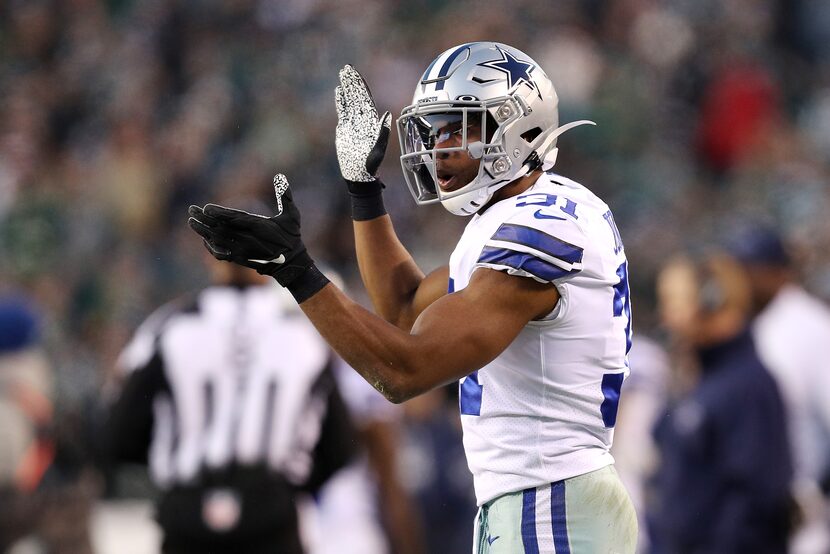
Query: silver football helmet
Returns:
{"type": "Point", "coordinates": [499, 91]}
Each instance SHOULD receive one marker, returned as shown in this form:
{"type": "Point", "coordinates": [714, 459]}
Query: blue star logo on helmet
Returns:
{"type": "Point", "coordinates": [516, 70]}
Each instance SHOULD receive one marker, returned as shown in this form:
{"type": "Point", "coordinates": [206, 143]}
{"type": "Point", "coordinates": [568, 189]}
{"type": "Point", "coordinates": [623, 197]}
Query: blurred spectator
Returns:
{"type": "Point", "coordinates": [41, 505]}
{"type": "Point", "coordinates": [26, 412]}
{"type": "Point", "coordinates": [231, 398]}
{"type": "Point", "coordinates": [644, 395]}
{"type": "Point", "coordinates": [435, 471]}
{"type": "Point", "coordinates": [724, 480]}
{"type": "Point", "coordinates": [364, 508]}
{"type": "Point", "coordinates": [792, 334]}
{"type": "Point", "coordinates": [737, 109]}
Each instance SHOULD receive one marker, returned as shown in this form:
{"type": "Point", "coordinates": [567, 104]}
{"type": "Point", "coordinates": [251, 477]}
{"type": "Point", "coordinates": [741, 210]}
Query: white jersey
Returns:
{"type": "Point", "coordinates": [545, 408]}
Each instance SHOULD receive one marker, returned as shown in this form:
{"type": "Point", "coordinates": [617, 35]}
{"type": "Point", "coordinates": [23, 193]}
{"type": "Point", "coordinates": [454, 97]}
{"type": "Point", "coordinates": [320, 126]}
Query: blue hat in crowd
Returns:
{"type": "Point", "coordinates": [18, 324]}
{"type": "Point", "coordinates": [759, 245]}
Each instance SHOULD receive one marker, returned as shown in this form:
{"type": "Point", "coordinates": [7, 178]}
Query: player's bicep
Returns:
{"type": "Point", "coordinates": [432, 287]}
{"type": "Point", "coordinates": [462, 332]}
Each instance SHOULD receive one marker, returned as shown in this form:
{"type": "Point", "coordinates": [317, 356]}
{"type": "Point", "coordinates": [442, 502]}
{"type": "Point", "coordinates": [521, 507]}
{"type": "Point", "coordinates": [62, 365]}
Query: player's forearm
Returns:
{"type": "Point", "coordinates": [387, 357]}
{"type": "Point", "coordinates": [388, 271]}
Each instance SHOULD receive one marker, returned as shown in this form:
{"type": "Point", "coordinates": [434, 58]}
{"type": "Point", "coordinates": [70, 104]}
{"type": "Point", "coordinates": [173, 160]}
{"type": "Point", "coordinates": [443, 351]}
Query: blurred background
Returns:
{"type": "Point", "coordinates": [116, 115]}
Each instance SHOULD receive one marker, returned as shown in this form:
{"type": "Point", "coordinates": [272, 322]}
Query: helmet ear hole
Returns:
{"type": "Point", "coordinates": [530, 135]}
{"type": "Point", "coordinates": [491, 125]}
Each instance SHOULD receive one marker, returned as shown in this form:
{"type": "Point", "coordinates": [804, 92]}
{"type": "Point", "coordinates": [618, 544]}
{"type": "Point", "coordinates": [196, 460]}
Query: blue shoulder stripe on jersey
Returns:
{"type": "Point", "coordinates": [529, 539]}
{"type": "Point", "coordinates": [538, 267]}
{"type": "Point", "coordinates": [539, 240]}
{"type": "Point", "coordinates": [559, 518]}
{"type": "Point", "coordinates": [446, 67]}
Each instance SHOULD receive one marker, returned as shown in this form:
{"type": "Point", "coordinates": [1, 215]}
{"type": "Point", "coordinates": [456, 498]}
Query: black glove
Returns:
{"type": "Point", "coordinates": [361, 138]}
{"type": "Point", "coordinates": [270, 245]}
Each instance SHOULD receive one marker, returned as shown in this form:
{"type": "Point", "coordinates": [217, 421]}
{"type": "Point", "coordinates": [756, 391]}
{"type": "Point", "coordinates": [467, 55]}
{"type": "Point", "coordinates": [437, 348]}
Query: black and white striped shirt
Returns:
{"type": "Point", "coordinates": [237, 376]}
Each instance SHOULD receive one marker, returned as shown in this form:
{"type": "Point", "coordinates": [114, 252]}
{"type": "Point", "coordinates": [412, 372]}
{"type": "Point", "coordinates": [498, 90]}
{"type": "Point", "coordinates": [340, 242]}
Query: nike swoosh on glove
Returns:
{"type": "Point", "coordinates": [361, 136]}
{"type": "Point", "coordinates": [270, 245]}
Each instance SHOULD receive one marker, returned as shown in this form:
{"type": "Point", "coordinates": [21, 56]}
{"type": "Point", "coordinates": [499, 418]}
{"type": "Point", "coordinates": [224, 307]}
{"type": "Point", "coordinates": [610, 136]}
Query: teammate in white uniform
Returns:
{"type": "Point", "coordinates": [532, 314]}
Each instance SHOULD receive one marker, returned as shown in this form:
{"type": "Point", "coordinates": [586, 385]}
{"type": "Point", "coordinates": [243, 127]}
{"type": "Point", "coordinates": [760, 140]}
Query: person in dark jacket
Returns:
{"type": "Point", "coordinates": [723, 485]}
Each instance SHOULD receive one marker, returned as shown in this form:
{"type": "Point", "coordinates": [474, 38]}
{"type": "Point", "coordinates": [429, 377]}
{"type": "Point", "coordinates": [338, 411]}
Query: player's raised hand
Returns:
{"type": "Point", "coordinates": [270, 245]}
{"type": "Point", "coordinates": [361, 136]}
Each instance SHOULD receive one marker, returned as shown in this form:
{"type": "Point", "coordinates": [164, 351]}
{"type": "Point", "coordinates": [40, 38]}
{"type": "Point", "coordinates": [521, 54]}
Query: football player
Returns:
{"type": "Point", "coordinates": [531, 316]}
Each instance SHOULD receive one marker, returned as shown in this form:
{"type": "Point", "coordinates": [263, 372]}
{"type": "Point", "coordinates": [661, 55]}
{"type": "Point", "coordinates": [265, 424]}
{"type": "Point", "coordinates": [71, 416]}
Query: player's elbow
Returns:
{"type": "Point", "coordinates": [396, 396]}
{"type": "Point", "coordinates": [399, 387]}
{"type": "Point", "coordinates": [396, 391]}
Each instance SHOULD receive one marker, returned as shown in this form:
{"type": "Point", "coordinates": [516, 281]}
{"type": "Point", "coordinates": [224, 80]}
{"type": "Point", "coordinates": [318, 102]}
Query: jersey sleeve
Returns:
{"type": "Point", "coordinates": [128, 427]}
{"type": "Point", "coordinates": [338, 441]}
{"type": "Point", "coordinates": [547, 250]}
{"type": "Point", "coordinates": [142, 346]}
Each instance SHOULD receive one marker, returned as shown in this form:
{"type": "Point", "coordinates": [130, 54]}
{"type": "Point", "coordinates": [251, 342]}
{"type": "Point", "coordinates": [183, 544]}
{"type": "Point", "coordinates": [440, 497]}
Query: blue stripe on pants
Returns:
{"type": "Point", "coordinates": [529, 539]}
{"type": "Point", "coordinates": [558, 517]}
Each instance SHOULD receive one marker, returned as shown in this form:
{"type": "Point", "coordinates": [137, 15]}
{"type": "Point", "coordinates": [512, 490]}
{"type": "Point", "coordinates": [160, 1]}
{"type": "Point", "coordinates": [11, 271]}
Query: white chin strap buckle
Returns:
{"type": "Point", "coordinates": [475, 150]}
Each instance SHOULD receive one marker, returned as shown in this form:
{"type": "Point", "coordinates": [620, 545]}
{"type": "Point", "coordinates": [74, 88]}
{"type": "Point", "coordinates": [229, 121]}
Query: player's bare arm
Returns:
{"type": "Point", "coordinates": [454, 336]}
{"type": "Point", "coordinates": [395, 283]}
{"type": "Point", "coordinates": [397, 287]}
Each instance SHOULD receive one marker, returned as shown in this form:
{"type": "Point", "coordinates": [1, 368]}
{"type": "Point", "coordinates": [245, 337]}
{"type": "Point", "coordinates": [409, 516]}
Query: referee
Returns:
{"type": "Point", "coordinates": [230, 399]}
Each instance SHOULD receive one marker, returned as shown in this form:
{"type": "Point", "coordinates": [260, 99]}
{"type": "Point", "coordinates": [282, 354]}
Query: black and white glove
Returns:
{"type": "Point", "coordinates": [270, 245]}
{"type": "Point", "coordinates": [361, 138]}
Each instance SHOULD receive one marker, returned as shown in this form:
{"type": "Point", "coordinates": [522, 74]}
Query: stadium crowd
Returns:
{"type": "Point", "coordinates": [116, 115]}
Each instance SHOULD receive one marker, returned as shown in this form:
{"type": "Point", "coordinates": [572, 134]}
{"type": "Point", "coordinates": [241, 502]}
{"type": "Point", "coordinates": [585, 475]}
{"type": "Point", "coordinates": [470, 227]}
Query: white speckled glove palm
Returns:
{"type": "Point", "coordinates": [361, 138]}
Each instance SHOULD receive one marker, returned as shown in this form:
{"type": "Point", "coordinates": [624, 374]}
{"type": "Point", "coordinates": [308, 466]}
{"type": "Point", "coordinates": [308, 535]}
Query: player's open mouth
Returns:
{"type": "Point", "coordinates": [446, 182]}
